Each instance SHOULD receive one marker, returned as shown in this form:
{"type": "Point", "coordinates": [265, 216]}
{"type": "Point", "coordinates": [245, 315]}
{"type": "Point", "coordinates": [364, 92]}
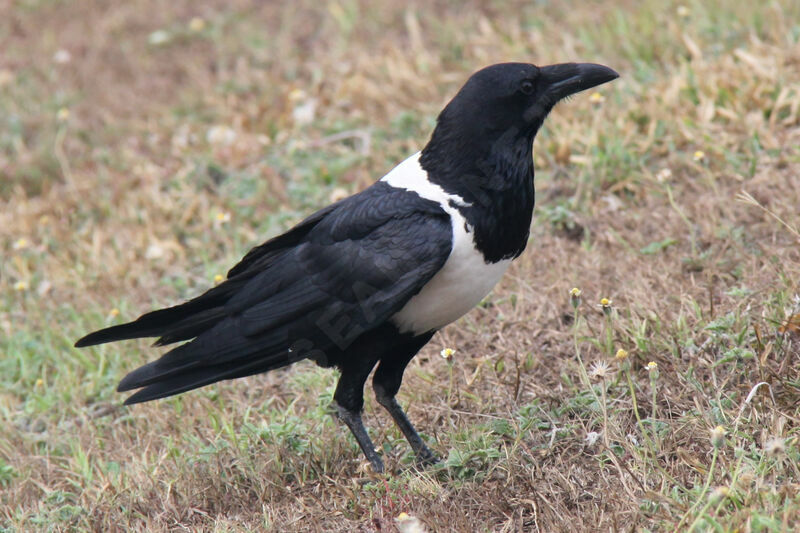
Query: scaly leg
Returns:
{"type": "Point", "coordinates": [353, 421]}
{"type": "Point", "coordinates": [386, 383]}
{"type": "Point", "coordinates": [349, 399]}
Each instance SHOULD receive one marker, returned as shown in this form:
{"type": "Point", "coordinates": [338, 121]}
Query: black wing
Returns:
{"type": "Point", "coordinates": [340, 273]}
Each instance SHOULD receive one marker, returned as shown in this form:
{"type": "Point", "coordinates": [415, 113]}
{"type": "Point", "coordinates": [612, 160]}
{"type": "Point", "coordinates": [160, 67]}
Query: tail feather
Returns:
{"type": "Point", "coordinates": [220, 348]}
{"type": "Point", "coordinates": [199, 377]}
{"type": "Point", "coordinates": [192, 326]}
{"type": "Point", "coordinates": [193, 315]}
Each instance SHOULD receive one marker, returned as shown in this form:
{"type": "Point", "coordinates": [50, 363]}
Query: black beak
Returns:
{"type": "Point", "coordinates": [565, 79]}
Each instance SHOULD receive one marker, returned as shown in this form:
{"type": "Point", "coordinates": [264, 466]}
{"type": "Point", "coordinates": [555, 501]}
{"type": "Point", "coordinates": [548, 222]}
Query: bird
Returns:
{"type": "Point", "coordinates": [364, 283]}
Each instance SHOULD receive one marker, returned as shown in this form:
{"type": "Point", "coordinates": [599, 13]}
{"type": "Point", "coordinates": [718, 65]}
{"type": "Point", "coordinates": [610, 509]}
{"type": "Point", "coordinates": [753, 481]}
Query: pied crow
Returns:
{"type": "Point", "coordinates": [368, 280]}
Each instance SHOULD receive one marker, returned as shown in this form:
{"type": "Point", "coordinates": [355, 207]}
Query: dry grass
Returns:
{"type": "Point", "coordinates": [128, 203]}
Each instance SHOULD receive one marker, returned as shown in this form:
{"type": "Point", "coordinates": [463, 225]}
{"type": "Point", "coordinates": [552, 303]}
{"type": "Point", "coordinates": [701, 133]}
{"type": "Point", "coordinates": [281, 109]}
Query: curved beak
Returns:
{"type": "Point", "coordinates": [565, 79]}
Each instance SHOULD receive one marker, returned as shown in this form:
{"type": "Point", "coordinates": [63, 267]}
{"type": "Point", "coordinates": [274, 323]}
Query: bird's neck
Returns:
{"type": "Point", "coordinates": [496, 186]}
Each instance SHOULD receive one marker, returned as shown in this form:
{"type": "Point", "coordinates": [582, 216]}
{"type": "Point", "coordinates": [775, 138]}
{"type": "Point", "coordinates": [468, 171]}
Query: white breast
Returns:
{"type": "Point", "coordinates": [464, 280]}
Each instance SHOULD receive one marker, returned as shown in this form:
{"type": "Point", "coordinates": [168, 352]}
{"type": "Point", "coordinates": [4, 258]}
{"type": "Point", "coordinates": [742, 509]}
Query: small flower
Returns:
{"type": "Point", "coordinates": [220, 136]}
{"type": "Point", "coordinates": [113, 313]}
{"type": "Point", "coordinates": [682, 11]}
{"type": "Point", "coordinates": [699, 155]}
{"type": "Point", "coordinates": [597, 98]}
{"type": "Point", "coordinates": [775, 447]}
{"type": "Point", "coordinates": [154, 251]}
{"type": "Point", "coordinates": [159, 37]}
{"type": "Point", "coordinates": [447, 354]}
{"type": "Point", "coordinates": [409, 524]}
{"type": "Point", "coordinates": [20, 244]}
{"type": "Point", "coordinates": [21, 285]}
{"type": "Point", "coordinates": [63, 114]}
{"type": "Point", "coordinates": [218, 278]}
{"type": "Point", "coordinates": [39, 382]}
{"type": "Point", "coordinates": [575, 297]}
{"type": "Point", "coordinates": [718, 436]}
{"type": "Point", "coordinates": [605, 304]}
{"type": "Point", "coordinates": [197, 24]}
{"type": "Point", "coordinates": [6, 77]}
{"type": "Point", "coordinates": [663, 175]}
{"type": "Point", "coordinates": [621, 355]}
{"type": "Point", "coordinates": [296, 95]}
{"type": "Point", "coordinates": [223, 217]}
{"type": "Point", "coordinates": [62, 57]}
{"type": "Point", "coordinates": [600, 370]}
{"type": "Point", "coordinates": [591, 438]}
{"type": "Point", "coordinates": [652, 366]}
{"type": "Point", "coordinates": [719, 493]}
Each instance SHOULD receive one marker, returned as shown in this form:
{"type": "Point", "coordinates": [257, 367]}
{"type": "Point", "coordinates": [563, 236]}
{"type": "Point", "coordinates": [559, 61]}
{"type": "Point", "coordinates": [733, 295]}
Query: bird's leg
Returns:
{"type": "Point", "coordinates": [349, 398]}
{"type": "Point", "coordinates": [353, 421]}
{"type": "Point", "coordinates": [386, 383]}
{"type": "Point", "coordinates": [424, 455]}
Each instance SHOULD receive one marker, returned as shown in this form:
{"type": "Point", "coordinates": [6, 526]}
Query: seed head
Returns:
{"type": "Point", "coordinates": [718, 437]}
{"type": "Point", "coordinates": [719, 493]}
{"type": "Point", "coordinates": [663, 175]}
{"type": "Point", "coordinates": [575, 297]}
{"type": "Point", "coordinates": [600, 370]}
{"type": "Point", "coordinates": [775, 447]}
{"type": "Point", "coordinates": [591, 438]}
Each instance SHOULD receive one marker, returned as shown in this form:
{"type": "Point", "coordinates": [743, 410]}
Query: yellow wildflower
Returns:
{"type": "Point", "coordinates": [597, 98]}
{"type": "Point", "coordinates": [197, 24]}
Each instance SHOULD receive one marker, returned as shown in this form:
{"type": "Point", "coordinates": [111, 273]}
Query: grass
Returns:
{"type": "Point", "coordinates": [144, 147]}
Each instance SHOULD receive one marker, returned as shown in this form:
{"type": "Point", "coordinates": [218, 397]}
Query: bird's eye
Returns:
{"type": "Point", "coordinates": [526, 87]}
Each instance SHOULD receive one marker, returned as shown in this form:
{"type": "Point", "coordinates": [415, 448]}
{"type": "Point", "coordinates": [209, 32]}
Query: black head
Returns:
{"type": "Point", "coordinates": [481, 148]}
{"type": "Point", "coordinates": [512, 99]}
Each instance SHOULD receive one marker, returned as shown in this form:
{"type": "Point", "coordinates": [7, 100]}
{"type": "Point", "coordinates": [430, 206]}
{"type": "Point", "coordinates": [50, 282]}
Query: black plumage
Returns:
{"type": "Point", "coordinates": [368, 280]}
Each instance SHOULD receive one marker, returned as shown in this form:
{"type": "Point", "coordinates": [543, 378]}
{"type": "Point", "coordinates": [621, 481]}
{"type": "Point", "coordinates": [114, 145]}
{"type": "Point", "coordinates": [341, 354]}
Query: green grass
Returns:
{"type": "Point", "coordinates": [127, 202]}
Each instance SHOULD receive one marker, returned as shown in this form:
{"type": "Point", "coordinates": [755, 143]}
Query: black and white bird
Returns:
{"type": "Point", "coordinates": [368, 280]}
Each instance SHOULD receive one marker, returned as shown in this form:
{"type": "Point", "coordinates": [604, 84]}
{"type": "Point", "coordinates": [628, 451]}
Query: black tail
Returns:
{"type": "Point", "coordinates": [194, 379]}
{"type": "Point", "coordinates": [218, 353]}
{"type": "Point", "coordinates": [172, 324]}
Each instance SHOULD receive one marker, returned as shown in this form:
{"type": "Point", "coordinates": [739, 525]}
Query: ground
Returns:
{"type": "Point", "coordinates": [145, 146]}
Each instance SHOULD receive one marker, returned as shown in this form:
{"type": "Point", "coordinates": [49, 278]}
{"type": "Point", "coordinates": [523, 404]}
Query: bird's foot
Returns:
{"type": "Point", "coordinates": [353, 421]}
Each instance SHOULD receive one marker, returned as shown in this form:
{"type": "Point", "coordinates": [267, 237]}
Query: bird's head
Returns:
{"type": "Point", "coordinates": [518, 95]}
{"type": "Point", "coordinates": [504, 105]}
